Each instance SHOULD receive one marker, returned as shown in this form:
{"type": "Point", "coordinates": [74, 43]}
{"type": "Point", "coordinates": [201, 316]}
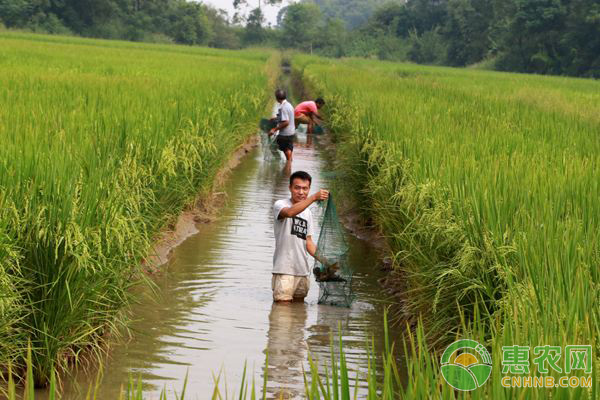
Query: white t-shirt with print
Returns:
{"type": "Point", "coordinates": [291, 257]}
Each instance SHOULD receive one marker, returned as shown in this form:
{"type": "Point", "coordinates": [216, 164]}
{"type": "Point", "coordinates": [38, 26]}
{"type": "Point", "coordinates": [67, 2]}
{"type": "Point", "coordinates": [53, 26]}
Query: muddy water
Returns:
{"type": "Point", "coordinates": [213, 311]}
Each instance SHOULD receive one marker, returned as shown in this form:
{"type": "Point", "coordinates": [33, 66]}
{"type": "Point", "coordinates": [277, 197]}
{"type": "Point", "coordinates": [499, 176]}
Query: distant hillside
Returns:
{"type": "Point", "coordinates": [353, 12]}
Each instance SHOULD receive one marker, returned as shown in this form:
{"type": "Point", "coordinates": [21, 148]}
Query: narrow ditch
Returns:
{"type": "Point", "coordinates": [213, 312]}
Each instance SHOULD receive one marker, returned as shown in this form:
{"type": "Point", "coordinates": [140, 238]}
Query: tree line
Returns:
{"type": "Point", "coordinates": [538, 36]}
{"type": "Point", "coordinates": [177, 21]}
{"type": "Point", "coordinates": [559, 37]}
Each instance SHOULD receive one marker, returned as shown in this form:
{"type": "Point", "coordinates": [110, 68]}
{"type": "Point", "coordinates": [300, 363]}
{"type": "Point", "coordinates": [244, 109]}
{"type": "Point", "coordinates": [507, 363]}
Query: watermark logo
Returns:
{"type": "Point", "coordinates": [516, 365]}
{"type": "Point", "coordinates": [466, 365]}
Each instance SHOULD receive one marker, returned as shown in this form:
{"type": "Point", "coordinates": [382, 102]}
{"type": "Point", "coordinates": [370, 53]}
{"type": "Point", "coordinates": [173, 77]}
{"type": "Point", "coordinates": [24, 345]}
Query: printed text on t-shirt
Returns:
{"type": "Point", "coordinates": [299, 227]}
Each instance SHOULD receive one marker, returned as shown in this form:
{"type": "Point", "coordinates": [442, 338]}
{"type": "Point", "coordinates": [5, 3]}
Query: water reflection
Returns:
{"type": "Point", "coordinates": [287, 168]}
{"type": "Point", "coordinates": [287, 349]}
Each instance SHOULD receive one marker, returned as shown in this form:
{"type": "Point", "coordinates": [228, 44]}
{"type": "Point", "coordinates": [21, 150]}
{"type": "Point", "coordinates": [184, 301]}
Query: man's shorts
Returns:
{"type": "Point", "coordinates": [302, 119]}
{"type": "Point", "coordinates": [285, 142]}
{"type": "Point", "coordinates": [289, 287]}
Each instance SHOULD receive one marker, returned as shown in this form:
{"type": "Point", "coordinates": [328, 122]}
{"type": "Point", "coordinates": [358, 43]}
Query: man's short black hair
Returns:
{"type": "Point", "coordinates": [301, 175]}
{"type": "Point", "coordinates": [280, 94]}
{"type": "Point", "coordinates": [320, 101]}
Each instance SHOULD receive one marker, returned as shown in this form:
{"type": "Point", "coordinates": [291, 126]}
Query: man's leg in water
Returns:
{"type": "Point", "coordinates": [288, 288]}
{"type": "Point", "coordinates": [311, 126]}
{"type": "Point", "coordinates": [283, 288]}
{"type": "Point", "coordinates": [287, 169]}
{"type": "Point", "coordinates": [305, 119]}
{"type": "Point", "coordinates": [302, 284]}
{"type": "Point", "coordinates": [285, 144]}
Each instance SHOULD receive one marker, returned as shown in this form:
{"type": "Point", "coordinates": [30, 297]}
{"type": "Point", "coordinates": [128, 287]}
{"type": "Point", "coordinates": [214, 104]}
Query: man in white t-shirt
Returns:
{"type": "Point", "coordinates": [293, 239]}
{"type": "Point", "coordinates": [284, 115]}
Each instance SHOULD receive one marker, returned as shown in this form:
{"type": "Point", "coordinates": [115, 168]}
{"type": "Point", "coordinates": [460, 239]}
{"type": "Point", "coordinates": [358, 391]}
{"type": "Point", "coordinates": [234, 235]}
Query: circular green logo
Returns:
{"type": "Point", "coordinates": [466, 365]}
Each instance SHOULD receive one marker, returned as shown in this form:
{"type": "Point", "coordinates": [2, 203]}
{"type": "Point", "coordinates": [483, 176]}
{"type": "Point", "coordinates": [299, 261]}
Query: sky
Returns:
{"type": "Point", "coordinates": [269, 11]}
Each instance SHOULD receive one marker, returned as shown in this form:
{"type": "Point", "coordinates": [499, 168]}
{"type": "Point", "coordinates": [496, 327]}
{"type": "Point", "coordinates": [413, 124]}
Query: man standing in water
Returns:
{"type": "Point", "coordinates": [293, 239]}
{"type": "Point", "coordinates": [307, 113]}
{"type": "Point", "coordinates": [285, 124]}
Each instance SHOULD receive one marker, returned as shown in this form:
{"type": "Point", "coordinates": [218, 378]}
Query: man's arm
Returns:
{"type": "Point", "coordinates": [282, 125]}
{"type": "Point", "coordinates": [297, 208]}
{"type": "Point", "coordinates": [316, 118]}
{"type": "Point", "coordinates": [311, 247]}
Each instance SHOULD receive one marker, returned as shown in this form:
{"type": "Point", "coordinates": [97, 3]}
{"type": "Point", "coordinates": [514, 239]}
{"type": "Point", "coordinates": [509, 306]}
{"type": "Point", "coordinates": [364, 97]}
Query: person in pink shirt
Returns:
{"type": "Point", "coordinates": [307, 113]}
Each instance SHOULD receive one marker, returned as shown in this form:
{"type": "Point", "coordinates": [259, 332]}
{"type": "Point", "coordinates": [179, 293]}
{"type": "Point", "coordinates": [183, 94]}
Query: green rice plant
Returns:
{"type": "Point", "coordinates": [102, 145]}
{"type": "Point", "coordinates": [484, 185]}
{"type": "Point", "coordinates": [334, 382]}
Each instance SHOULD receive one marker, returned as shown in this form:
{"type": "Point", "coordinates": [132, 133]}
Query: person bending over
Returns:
{"type": "Point", "coordinates": [307, 113]}
{"type": "Point", "coordinates": [293, 239]}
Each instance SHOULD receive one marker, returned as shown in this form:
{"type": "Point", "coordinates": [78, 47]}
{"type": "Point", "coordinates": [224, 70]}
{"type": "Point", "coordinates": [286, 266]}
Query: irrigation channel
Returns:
{"type": "Point", "coordinates": [213, 309]}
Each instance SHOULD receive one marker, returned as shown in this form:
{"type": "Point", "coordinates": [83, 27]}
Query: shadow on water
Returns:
{"type": "Point", "coordinates": [213, 308]}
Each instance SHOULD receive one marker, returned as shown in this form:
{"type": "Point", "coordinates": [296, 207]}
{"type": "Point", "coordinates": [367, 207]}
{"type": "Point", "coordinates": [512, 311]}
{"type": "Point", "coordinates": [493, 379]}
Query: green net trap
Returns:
{"type": "Point", "coordinates": [266, 124]}
{"type": "Point", "coordinates": [268, 144]}
{"type": "Point", "coordinates": [317, 129]}
{"type": "Point", "coordinates": [332, 270]}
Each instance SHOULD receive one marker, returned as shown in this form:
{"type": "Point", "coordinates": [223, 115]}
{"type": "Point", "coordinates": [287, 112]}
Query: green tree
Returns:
{"type": "Point", "coordinates": [331, 38]}
{"type": "Point", "coordinates": [239, 4]}
{"type": "Point", "coordinates": [353, 13]}
{"type": "Point", "coordinates": [37, 15]}
{"type": "Point", "coordinates": [180, 20]}
{"type": "Point", "coordinates": [427, 48]}
{"type": "Point", "coordinates": [14, 13]}
{"type": "Point", "coordinates": [392, 19]}
{"type": "Point", "coordinates": [466, 31]}
{"type": "Point", "coordinates": [427, 14]}
{"type": "Point", "coordinates": [300, 26]}
{"type": "Point", "coordinates": [224, 35]}
{"type": "Point", "coordinates": [192, 26]}
{"type": "Point", "coordinates": [581, 39]}
{"type": "Point", "coordinates": [255, 32]}
{"type": "Point", "coordinates": [530, 35]}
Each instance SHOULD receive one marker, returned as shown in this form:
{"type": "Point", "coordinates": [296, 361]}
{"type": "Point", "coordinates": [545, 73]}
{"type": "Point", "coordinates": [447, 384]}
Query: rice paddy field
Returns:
{"type": "Point", "coordinates": [486, 187]}
{"type": "Point", "coordinates": [484, 184]}
{"type": "Point", "coordinates": [102, 144]}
